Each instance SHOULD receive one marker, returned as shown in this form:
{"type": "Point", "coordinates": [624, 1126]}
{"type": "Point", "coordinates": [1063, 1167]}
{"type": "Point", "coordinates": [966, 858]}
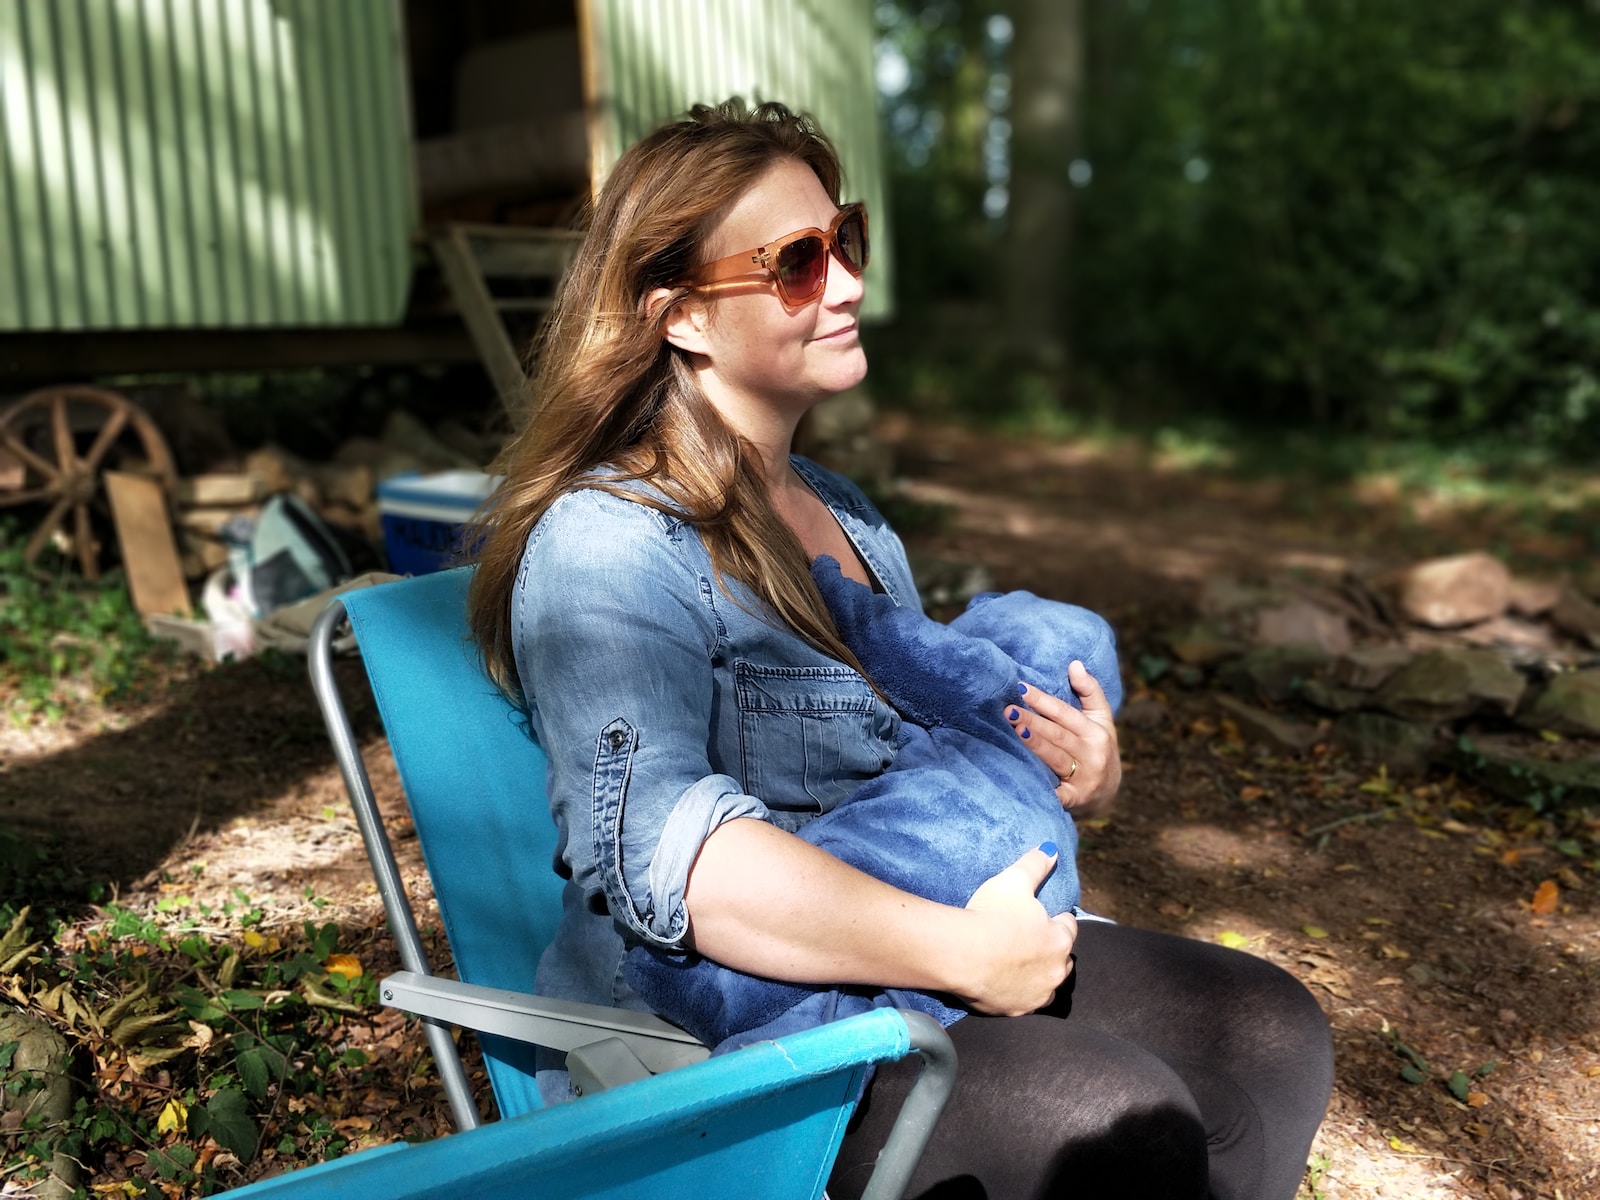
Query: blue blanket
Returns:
{"type": "Point", "coordinates": [964, 798]}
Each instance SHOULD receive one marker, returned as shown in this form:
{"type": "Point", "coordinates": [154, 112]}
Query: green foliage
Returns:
{"type": "Point", "coordinates": [1374, 216]}
{"type": "Point", "coordinates": [238, 1025]}
{"type": "Point", "coordinates": [934, 147]}
{"type": "Point", "coordinates": [59, 631]}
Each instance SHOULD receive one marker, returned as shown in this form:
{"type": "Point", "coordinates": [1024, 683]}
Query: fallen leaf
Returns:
{"type": "Point", "coordinates": [347, 965]}
{"type": "Point", "coordinates": [1395, 1143]}
{"type": "Point", "coordinates": [1476, 1099]}
{"type": "Point", "coordinates": [266, 944]}
{"type": "Point", "coordinates": [174, 1117]}
{"type": "Point", "coordinates": [1314, 931]}
{"type": "Point", "coordinates": [1546, 898]}
{"type": "Point", "coordinates": [1253, 792]}
{"type": "Point", "coordinates": [1232, 940]}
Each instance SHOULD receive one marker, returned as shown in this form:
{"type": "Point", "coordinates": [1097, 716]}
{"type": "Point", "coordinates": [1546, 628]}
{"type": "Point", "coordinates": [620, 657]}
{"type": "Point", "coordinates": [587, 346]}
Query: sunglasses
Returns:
{"type": "Point", "coordinates": [797, 262]}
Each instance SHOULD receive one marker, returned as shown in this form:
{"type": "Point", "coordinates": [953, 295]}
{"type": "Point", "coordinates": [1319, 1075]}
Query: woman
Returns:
{"type": "Point", "coordinates": [644, 585]}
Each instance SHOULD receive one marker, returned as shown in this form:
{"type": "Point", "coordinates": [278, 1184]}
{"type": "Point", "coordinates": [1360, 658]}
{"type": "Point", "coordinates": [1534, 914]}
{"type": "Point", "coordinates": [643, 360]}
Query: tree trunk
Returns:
{"type": "Point", "coordinates": [1047, 67]}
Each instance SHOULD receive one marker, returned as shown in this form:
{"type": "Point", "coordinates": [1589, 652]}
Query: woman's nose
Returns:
{"type": "Point", "coordinates": [843, 288]}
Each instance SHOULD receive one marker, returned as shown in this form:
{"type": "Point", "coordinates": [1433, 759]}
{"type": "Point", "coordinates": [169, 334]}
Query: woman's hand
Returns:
{"type": "Point", "coordinates": [1020, 954]}
{"type": "Point", "coordinates": [1079, 746]}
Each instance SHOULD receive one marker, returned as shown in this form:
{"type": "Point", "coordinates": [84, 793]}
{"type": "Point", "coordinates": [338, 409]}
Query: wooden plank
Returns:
{"type": "Point", "coordinates": [149, 551]}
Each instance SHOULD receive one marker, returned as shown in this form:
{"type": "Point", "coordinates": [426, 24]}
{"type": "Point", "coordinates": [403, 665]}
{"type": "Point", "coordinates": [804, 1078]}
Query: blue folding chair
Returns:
{"type": "Point", "coordinates": [765, 1121]}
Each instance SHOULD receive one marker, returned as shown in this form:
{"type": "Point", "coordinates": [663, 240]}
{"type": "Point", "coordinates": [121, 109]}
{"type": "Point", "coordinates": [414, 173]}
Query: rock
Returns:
{"type": "Point", "coordinates": [1568, 704]}
{"type": "Point", "coordinates": [1145, 713]}
{"type": "Point", "coordinates": [1442, 685]}
{"type": "Point", "coordinates": [1578, 616]}
{"type": "Point", "coordinates": [41, 1055]}
{"type": "Point", "coordinates": [1302, 623]}
{"type": "Point", "coordinates": [1273, 673]}
{"type": "Point", "coordinates": [1369, 667]}
{"type": "Point", "coordinates": [1538, 783]}
{"type": "Point", "coordinates": [1201, 644]}
{"type": "Point", "coordinates": [1460, 590]}
{"type": "Point", "coordinates": [1258, 725]}
{"type": "Point", "coordinates": [1221, 596]}
{"type": "Point", "coordinates": [1534, 597]}
{"type": "Point", "coordinates": [1587, 579]}
{"type": "Point", "coordinates": [1404, 747]}
{"type": "Point", "coordinates": [1331, 697]}
{"type": "Point", "coordinates": [1524, 641]}
{"type": "Point", "coordinates": [836, 418]}
{"type": "Point", "coordinates": [839, 433]}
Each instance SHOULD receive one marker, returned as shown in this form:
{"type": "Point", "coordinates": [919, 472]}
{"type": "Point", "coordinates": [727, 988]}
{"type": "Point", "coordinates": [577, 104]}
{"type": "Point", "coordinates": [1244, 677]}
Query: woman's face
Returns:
{"type": "Point", "coordinates": [757, 358]}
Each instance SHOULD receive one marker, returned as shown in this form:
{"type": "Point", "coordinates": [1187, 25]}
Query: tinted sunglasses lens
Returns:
{"type": "Point", "coordinates": [850, 243]}
{"type": "Point", "coordinates": [802, 268]}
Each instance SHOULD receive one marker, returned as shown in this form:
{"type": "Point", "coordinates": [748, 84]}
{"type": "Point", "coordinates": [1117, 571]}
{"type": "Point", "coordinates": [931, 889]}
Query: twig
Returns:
{"type": "Point", "coordinates": [1332, 825]}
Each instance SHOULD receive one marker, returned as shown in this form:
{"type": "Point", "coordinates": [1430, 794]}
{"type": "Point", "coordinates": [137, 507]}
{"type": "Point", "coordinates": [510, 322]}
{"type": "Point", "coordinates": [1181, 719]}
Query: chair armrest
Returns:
{"type": "Point", "coordinates": [559, 1024]}
{"type": "Point", "coordinates": [603, 1065]}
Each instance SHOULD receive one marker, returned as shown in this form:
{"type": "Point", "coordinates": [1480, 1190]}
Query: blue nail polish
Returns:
{"type": "Point", "coordinates": [1022, 689]}
{"type": "Point", "coordinates": [1026, 733]}
{"type": "Point", "coordinates": [1049, 848]}
{"type": "Point", "coordinates": [1012, 714]}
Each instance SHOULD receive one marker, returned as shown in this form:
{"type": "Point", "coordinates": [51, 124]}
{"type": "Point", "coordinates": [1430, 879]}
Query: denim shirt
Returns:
{"type": "Point", "coordinates": [668, 707]}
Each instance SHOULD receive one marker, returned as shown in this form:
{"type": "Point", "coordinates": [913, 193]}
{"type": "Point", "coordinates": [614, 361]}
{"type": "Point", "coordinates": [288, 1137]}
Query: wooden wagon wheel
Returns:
{"type": "Point", "coordinates": [43, 432]}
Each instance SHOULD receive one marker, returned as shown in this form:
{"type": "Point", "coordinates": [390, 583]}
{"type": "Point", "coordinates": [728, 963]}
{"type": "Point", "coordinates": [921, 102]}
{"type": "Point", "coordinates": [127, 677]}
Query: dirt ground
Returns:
{"type": "Point", "coordinates": [1407, 907]}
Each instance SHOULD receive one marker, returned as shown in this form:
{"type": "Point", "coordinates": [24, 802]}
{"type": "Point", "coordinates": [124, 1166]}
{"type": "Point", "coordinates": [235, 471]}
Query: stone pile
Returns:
{"type": "Point", "coordinates": [1453, 662]}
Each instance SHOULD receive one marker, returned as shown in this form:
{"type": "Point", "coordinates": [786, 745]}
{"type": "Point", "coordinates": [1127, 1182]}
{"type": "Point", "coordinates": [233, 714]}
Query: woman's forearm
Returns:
{"type": "Point", "coordinates": [765, 902]}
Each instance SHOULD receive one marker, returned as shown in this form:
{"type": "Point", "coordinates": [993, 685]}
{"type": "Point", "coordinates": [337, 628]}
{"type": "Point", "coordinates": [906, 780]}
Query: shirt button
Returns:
{"type": "Point", "coordinates": [617, 738]}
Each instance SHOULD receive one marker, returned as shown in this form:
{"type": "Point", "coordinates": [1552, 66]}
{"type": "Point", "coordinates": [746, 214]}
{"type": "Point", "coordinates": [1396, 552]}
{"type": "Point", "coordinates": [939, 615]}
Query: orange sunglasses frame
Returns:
{"type": "Point", "coordinates": [764, 259]}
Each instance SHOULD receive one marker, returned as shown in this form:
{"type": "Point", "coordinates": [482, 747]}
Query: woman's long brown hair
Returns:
{"type": "Point", "coordinates": [611, 390]}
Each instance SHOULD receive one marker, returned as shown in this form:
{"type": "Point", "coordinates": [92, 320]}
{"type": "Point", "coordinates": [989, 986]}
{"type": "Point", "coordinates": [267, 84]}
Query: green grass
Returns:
{"type": "Point", "coordinates": [61, 637]}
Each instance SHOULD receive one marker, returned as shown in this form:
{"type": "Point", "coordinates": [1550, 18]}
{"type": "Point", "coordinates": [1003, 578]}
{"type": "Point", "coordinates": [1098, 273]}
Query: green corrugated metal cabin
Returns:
{"type": "Point", "coordinates": [271, 165]}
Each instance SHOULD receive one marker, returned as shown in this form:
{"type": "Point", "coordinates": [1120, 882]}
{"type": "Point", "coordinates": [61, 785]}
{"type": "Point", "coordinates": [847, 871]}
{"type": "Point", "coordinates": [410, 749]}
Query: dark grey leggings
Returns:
{"type": "Point", "coordinates": [1167, 1067]}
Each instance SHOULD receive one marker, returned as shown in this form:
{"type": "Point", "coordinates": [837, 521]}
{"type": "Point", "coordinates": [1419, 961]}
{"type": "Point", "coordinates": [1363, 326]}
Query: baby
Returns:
{"type": "Point", "coordinates": [964, 797]}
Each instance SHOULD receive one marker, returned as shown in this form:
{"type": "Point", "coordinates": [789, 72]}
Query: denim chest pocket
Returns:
{"type": "Point", "coordinates": [808, 736]}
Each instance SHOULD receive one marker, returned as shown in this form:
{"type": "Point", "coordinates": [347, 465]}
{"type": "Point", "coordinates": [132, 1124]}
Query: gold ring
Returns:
{"type": "Point", "coordinates": [1073, 770]}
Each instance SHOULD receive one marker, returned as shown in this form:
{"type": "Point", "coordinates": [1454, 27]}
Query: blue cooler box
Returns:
{"type": "Point", "coordinates": [423, 515]}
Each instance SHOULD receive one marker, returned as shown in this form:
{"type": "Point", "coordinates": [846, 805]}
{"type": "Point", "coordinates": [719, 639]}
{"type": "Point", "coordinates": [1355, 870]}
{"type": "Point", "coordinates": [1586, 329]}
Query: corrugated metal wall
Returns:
{"type": "Point", "coordinates": [203, 163]}
{"type": "Point", "coordinates": [651, 59]}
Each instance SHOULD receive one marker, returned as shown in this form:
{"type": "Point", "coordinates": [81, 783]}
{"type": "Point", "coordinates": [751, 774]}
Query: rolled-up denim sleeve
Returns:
{"type": "Point", "coordinates": [615, 632]}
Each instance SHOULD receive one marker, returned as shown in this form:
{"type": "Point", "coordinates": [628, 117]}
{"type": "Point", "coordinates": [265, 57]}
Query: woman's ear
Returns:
{"type": "Point", "coordinates": [685, 322]}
